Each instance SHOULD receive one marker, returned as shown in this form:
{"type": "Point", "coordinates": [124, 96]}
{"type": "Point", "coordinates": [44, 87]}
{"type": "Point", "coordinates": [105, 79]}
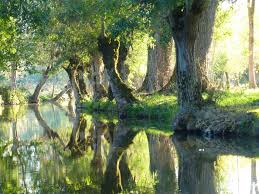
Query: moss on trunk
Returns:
{"type": "Point", "coordinates": [109, 47]}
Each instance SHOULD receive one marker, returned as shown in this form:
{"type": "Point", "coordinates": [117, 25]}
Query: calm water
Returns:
{"type": "Point", "coordinates": [52, 149]}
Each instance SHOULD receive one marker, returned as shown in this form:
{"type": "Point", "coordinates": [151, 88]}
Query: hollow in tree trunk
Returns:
{"type": "Point", "coordinates": [110, 49]}
{"type": "Point", "coordinates": [34, 98]}
{"type": "Point", "coordinates": [251, 8]}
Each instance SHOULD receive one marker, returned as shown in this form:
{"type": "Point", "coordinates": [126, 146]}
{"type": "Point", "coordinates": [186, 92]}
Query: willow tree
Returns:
{"type": "Point", "coordinates": [20, 23]}
{"type": "Point", "coordinates": [74, 31]}
{"type": "Point", "coordinates": [184, 21]}
{"type": "Point", "coordinates": [189, 24]}
{"type": "Point", "coordinates": [119, 22]}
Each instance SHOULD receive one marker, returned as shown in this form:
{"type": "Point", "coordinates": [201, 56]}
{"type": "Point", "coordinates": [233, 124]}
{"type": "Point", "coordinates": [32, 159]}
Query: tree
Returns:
{"type": "Point", "coordinates": [251, 8]}
{"type": "Point", "coordinates": [159, 66]}
{"type": "Point", "coordinates": [118, 29]}
{"type": "Point", "coordinates": [184, 25]}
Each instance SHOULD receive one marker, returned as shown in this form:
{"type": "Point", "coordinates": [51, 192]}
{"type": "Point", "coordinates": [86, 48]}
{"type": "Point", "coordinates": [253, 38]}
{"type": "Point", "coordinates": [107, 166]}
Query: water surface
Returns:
{"type": "Point", "coordinates": [53, 149]}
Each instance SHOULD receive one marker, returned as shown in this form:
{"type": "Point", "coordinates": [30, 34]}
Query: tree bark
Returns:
{"type": "Point", "coordinates": [98, 89]}
{"type": "Point", "coordinates": [186, 31]}
{"type": "Point", "coordinates": [159, 66]}
{"type": "Point", "coordinates": [110, 50]}
{"type": "Point", "coordinates": [170, 87]}
{"type": "Point", "coordinates": [251, 8]}
{"type": "Point", "coordinates": [71, 70]}
{"type": "Point", "coordinates": [122, 68]}
{"type": "Point", "coordinates": [35, 96]}
{"type": "Point", "coordinates": [13, 75]}
{"type": "Point", "coordinates": [80, 79]}
{"type": "Point", "coordinates": [203, 42]}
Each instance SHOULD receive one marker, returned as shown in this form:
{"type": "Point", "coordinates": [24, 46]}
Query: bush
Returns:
{"type": "Point", "coordinates": [12, 96]}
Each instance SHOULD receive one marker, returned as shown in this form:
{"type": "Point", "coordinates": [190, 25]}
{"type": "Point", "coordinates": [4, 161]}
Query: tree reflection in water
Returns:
{"type": "Point", "coordinates": [116, 163]}
{"type": "Point", "coordinates": [100, 156]}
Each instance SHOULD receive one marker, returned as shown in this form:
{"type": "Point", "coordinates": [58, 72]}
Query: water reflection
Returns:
{"type": "Point", "coordinates": [55, 149]}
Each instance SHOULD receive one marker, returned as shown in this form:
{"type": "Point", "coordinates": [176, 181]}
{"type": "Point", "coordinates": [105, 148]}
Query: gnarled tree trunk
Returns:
{"type": "Point", "coordinates": [35, 96]}
{"type": "Point", "coordinates": [71, 70]}
{"type": "Point", "coordinates": [110, 50]}
{"type": "Point", "coordinates": [186, 31]}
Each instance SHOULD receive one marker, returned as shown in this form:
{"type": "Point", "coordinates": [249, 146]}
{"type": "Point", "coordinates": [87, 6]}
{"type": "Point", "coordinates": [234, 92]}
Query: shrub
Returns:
{"type": "Point", "coordinates": [12, 96]}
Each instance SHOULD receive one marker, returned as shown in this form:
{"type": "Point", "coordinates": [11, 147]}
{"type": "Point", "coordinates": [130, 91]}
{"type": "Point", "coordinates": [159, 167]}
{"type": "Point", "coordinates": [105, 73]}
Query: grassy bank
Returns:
{"type": "Point", "coordinates": [162, 109]}
{"type": "Point", "coordinates": [155, 107]}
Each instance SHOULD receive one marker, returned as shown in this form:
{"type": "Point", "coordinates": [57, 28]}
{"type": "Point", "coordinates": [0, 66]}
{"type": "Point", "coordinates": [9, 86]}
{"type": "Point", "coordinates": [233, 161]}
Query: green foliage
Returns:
{"type": "Point", "coordinates": [7, 40]}
{"type": "Point", "coordinates": [13, 96]}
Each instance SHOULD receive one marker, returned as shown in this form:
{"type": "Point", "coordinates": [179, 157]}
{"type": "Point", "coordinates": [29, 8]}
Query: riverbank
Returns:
{"type": "Point", "coordinates": [235, 109]}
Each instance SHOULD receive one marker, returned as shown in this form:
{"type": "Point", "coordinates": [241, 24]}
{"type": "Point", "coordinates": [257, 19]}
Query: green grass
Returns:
{"type": "Point", "coordinates": [159, 110]}
{"type": "Point", "coordinates": [156, 107]}
{"type": "Point", "coordinates": [242, 98]}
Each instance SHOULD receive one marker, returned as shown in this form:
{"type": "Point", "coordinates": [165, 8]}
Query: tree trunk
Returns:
{"type": "Point", "coordinates": [71, 70]}
{"type": "Point", "coordinates": [227, 81]}
{"type": "Point", "coordinates": [159, 67]}
{"type": "Point", "coordinates": [110, 50]}
{"type": "Point", "coordinates": [35, 96]}
{"type": "Point", "coordinates": [203, 42]}
{"type": "Point", "coordinates": [98, 89]}
{"type": "Point", "coordinates": [170, 87]}
{"type": "Point", "coordinates": [188, 80]}
{"type": "Point", "coordinates": [80, 79]}
{"type": "Point", "coordinates": [13, 75]}
{"type": "Point", "coordinates": [122, 68]}
{"type": "Point", "coordinates": [62, 92]}
{"type": "Point", "coordinates": [251, 8]}
{"type": "Point", "coordinates": [186, 31]}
